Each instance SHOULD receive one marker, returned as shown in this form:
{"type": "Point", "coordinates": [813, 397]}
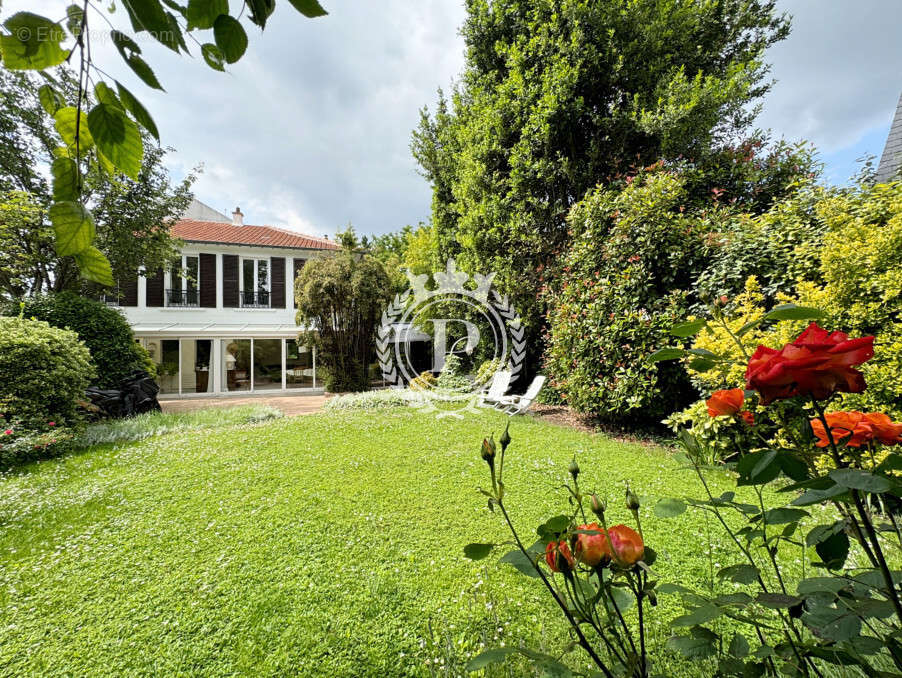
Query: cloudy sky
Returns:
{"type": "Point", "coordinates": [311, 129]}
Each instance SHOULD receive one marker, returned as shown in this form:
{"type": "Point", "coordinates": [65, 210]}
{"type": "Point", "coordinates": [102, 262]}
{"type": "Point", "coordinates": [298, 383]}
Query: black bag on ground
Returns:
{"type": "Point", "coordinates": [136, 394]}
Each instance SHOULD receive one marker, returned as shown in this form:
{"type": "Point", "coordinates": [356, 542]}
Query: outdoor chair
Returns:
{"type": "Point", "coordinates": [497, 388]}
{"type": "Point", "coordinates": [518, 404]}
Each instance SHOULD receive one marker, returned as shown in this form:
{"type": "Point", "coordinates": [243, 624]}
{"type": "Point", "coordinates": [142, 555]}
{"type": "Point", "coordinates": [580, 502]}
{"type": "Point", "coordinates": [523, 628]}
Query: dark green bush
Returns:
{"type": "Point", "coordinates": [44, 370]}
{"type": "Point", "coordinates": [104, 330]}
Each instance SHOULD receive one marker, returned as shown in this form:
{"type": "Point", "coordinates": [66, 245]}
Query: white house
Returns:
{"type": "Point", "coordinates": [222, 319]}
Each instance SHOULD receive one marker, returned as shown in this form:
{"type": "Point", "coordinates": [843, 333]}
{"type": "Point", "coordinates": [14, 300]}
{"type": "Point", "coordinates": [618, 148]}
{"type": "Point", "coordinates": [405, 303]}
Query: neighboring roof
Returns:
{"type": "Point", "coordinates": [194, 230]}
{"type": "Point", "coordinates": [891, 160]}
{"type": "Point", "coordinates": [203, 212]}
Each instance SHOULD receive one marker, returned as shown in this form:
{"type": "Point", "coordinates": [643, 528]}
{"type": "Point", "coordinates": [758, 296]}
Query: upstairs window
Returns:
{"type": "Point", "coordinates": [184, 278]}
{"type": "Point", "coordinates": [255, 283]}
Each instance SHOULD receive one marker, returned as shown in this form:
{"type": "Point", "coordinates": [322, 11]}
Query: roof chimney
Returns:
{"type": "Point", "coordinates": [237, 217]}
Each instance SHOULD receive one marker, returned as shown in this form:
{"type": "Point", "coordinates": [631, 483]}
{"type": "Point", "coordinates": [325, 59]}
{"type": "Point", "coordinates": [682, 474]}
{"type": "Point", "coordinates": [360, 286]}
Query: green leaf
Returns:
{"type": "Point", "coordinates": [829, 623]}
{"type": "Point", "coordinates": [688, 329]}
{"type": "Point", "coordinates": [478, 551]}
{"type": "Point", "coordinates": [820, 585]}
{"type": "Point", "coordinates": [621, 598]}
{"type": "Point", "coordinates": [793, 312]}
{"type": "Point", "coordinates": [94, 266]}
{"type": "Point", "coordinates": [105, 95]}
{"type": "Point", "coordinates": [489, 657]}
{"type": "Point", "coordinates": [51, 100]}
{"type": "Point", "coordinates": [65, 180]}
{"type": "Point", "coordinates": [758, 468]}
{"type": "Point", "coordinates": [834, 550]}
{"type": "Point", "coordinates": [781, 516]}
{"type": "Point", "coordinates": [821, 532]}
{"type": "Point", "coordinates": [701, 643]}
{"type": "Point", "coordinates": [777, 601]}
{"type": "Point", "coordinates": [309, 8]}
{"type": "Point", "coordinates": [793, 467]}
{"type": "Point", "coordinates": [149, 16]}
{"type": "Point", "coordinates": [665, 354]}
{"type": "Point", "coordinates": [855, 479]}
{"type": "Point", "coordinates": [130, 51]}
{"type": "Point", "coordinates": [65, 123]}
{"type": "Point", "coordinates": [741, 574]}
{"type": "Point", "coordinates": [75, 15]}
{"type": "Point", "coordinates": [669, 507]}
{"type": "Point", "coordinates": [33, 43]}
{"type": "Point", "coordinates": [700, 615]}
{"type": "Point", "coordinates": [203, 13]}
{"type": "Point", "coordinates": [552, 527]}
{"type": "Point", "coordinates": [702, 365]}
{"type": "Point", "coordinates": [260, 10]}
{"type": "Point", "coordinates": [136, 108]}
{"type": "Point", "coordinates": [748, 327]}
{"type": "Point", "coordinates": [213, 56]}
{"type": "Point", "coordinates": [739, 646]}
{"type": "Point", "coordinates": [73, 226]}
{"type": "Point", "coordinates": [117, 138]}
{"type": "Point", "coordinates": [521, 562]}
{"type": "Point", "coordinates": [230, 38]}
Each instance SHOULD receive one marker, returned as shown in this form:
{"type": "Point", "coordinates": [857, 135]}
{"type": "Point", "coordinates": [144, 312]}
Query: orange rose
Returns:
{"type": "Point", "coordinates": [725, 403]}
{"type": "Point", "coordinates": [855, 429]}
{"type": "Point", "coordinates": [747, 417]}
{"type": "Point", "coordinates": [559, 557]}
{"type": "Point", "coordinates": [817, 364]}
{"type": "Point", "coordinates": [627, 545]}
{"type": "Point", "coordinates": [592, 549]}
{"type": "Point", "coordinates": [885, 430]}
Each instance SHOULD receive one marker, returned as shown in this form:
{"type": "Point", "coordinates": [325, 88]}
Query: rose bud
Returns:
{"type": "Point", "coordinates": [627, 545]}
{"type": "Point", "coordinates": [505, 438]}
{"type": "Point", "coordinates": [598, 506]}
{"type": "Point", "coordinates": [559, 557]}
{"type": "Point", "coordinates": [592, 549]}
{"type": "Point", "coordinates": [632, 501]}
{"type": "Point", "coordinates": [725, 403]}
{"type": "Point", "coordinates": [488, 449]}
{"type": "Point", "coordinates": [747, 417]}
{"type": "Point", "coordinates": [573, 468]}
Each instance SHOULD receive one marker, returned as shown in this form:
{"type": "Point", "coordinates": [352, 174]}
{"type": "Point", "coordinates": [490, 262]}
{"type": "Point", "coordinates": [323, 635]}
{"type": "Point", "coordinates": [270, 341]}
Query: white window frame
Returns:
{"type": "Point", "coordinates": [256, 261]}
{"type": "Point", "coordinates": [169, 283]}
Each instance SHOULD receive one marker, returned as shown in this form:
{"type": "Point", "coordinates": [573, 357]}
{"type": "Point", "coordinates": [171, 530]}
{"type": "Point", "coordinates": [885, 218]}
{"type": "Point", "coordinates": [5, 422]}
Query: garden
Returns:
{"type": "Point", "coordinates": [723, 323]}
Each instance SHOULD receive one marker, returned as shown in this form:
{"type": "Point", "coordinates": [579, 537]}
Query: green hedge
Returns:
{"type": "Point", "coordinates": [104, 330]}
{"type": "Point", "coordinates": [44, 370]}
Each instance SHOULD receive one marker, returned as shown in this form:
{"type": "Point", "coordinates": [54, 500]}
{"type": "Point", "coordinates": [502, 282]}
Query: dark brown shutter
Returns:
{"type": "Point", "coordinates": [128, 291]}
{"type": "Point", "coordinates": [208, 280]}
{"type": "Point", "coordinates": [155, 289]}
{"type": "Point", "coordinates": [277, 273]}
{"type": "Point", "coordinates": [230, 280]}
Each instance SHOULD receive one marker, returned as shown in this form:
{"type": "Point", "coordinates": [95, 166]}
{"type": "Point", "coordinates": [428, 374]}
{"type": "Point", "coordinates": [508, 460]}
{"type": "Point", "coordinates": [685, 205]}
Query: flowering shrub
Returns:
{"type": "Point", "coordinates": [19, 442]}
{"type": "Point", "coordinates": [844, 619]}
{"type": "Point", "coordinates": [595, 574]}
{"type": "Point", "coordinates": [848, 614]}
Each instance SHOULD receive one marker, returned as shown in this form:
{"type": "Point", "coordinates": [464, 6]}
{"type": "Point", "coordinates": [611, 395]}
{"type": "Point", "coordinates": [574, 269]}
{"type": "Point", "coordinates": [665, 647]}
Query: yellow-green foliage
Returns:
{"type": "Point", "coordinates": [424, 382]}
{"type": "Point", "coordinates": [747, 307]}
{"type": "Point", "coordinates": [861, 266]}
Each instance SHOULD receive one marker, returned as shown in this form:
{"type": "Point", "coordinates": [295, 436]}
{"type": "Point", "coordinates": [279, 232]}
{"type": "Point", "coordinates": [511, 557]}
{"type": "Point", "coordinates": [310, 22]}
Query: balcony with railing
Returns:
{"type": "Point", "coordinates": [254, 298]}
{"type": "Point", "coordinates": [182, 298]}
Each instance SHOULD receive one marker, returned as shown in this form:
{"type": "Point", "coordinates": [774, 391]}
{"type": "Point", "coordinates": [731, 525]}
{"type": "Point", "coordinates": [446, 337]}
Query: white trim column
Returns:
{"type": "Point", "coordinates": [252, 365]}
{"type": "Point", "coordinates": [142, 287]}
{"type": "Point", "coordinates": [216, 364]}
{"type": "Point", "coordinates": [314, 365]}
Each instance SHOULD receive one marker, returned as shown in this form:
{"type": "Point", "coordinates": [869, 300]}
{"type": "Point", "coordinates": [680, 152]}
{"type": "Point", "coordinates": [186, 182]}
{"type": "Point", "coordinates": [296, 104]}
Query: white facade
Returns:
{"type": "Point", "coordinates": [221, 350]}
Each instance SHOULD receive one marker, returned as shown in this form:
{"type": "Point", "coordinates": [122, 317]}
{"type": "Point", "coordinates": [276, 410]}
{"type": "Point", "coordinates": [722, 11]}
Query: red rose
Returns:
{"type": "Point", "coordinates": [725, 403]}
{"type": "Point", "coordinates": [592, 549]}
{"type": "Point", "coordinates": [747, 417]}
{"type": "Point", "coordinates": [855, 429]}
{"type": "Point", "coordinates": [817, 364]}
{"type": "Point", "coordinates": [627, 545]}
{"type": "Point", "coordinates": [8, 432]}
{"type": "Point", "coordinates": [559, 557]}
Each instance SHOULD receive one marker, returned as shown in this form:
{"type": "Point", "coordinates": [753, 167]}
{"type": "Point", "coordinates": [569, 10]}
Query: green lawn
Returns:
{"type": "Point", "coordinates": [325, 545]}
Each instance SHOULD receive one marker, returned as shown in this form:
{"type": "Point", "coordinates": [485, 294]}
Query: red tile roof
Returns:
{"type": "Point", "coordinates": [261, 236]}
